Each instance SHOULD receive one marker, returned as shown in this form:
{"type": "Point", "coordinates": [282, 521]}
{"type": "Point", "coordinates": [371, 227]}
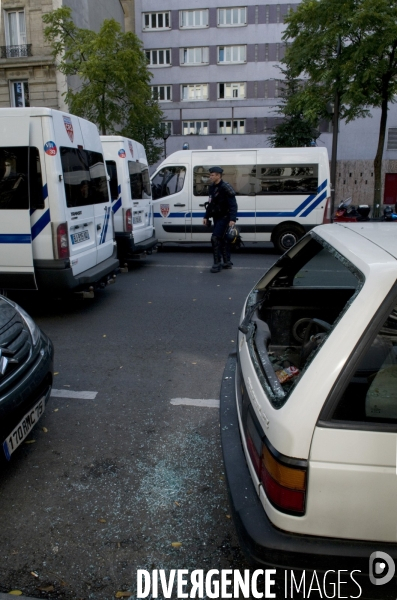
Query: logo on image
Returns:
{"type": "Point", "coordinates": [50, 148]}
{"type": "Point", "coordinates": [165, 210]}
{"type": "Point", "coordinates": [131, 148]}
{"type": "Point", "coordinates": [69, 127]}
{"type": "Point", "coordinates": [122, 153]}
{"type": "Point", "coordinates": [381, 568]}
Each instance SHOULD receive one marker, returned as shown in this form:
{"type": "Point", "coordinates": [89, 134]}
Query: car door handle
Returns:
{"type": "Point", "coordinates": [98, 227]}
{"type": "Point", "coordinates": [201, 205]}
{"type": "Point", "coordinates": [179, 204]}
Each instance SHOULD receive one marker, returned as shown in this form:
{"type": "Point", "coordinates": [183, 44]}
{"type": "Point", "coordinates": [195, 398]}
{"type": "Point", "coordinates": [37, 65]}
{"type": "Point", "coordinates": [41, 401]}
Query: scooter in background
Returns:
{"type": "Point", "coordinates": [346, 213]}
{"type": "Point", "coordinates": [388, 214]}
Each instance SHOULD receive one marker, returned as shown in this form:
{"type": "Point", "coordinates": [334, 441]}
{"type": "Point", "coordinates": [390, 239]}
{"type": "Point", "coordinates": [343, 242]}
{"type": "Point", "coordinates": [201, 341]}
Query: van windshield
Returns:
{"type": "Point", "coordinates": [84, 176]}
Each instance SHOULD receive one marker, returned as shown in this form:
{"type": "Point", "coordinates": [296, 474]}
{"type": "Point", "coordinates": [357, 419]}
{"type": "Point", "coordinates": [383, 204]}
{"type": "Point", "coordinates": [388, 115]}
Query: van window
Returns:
{"type": "Point", "coordinates": [242, 178]}
{"type": "Point", "coordinates": [35, 180]}
{"type": "Point", "coordinates": [168, 181]}
{"type": "Point", "coordinates": [84, 176]}
{"type": "Point", "coordinates": [146, 181]}
{"type": "Point", "coordinates": [286, 179]}
{"type": "Point", "coordinates": [14, 170]}
{"type": "Point", "coordinates": [136, 183]}
{"type": "Point", "coordinates": [113, 183]}
{"type": "Point", "coordinates": [371, 394]}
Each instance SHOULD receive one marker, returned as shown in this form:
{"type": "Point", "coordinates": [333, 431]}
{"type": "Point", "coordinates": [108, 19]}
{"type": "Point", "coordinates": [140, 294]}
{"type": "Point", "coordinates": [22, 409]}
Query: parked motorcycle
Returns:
{"type": "Point", "coordinates": [346, 213]}
{"type": "Point", "coordinates": [388, 214]}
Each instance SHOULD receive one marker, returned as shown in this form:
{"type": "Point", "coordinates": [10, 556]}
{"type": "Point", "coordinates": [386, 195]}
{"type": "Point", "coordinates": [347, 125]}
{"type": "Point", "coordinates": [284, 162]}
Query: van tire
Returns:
{"type": "Point", "coordinates": [286, 235]}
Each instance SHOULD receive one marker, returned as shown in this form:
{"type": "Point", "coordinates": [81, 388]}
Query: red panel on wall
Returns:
{"type": "Point", "coordinates": [390, 196]}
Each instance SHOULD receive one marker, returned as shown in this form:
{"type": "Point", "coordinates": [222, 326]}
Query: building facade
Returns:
{"type": "Point", "coordinates": [28, 76]}
{"type": "Point", "coordinates": [216, 76]}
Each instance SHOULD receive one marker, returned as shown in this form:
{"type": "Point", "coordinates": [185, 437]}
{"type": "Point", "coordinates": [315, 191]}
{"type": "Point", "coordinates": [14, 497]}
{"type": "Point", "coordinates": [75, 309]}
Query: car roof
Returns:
{"type": "Point", "coordinates": [370, 242]}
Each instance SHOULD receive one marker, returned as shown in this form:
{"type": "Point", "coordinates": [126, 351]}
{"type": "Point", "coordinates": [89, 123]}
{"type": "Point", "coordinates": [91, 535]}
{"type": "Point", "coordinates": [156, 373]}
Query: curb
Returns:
{"type": "Point", "coordinates": [9, 596]}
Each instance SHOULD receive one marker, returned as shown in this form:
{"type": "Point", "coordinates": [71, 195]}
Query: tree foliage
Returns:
{"type": "Point", "coordinates": [296, 130]}
{"type": "Point", "coordinates": [113, 87]}
{"type": "Point", "coordinates": [363, 73]}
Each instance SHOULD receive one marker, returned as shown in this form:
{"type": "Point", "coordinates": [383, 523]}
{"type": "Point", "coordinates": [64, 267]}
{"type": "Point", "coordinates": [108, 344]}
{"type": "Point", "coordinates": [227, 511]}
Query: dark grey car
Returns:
{"type": "Point", "coordinates": [26, 374]}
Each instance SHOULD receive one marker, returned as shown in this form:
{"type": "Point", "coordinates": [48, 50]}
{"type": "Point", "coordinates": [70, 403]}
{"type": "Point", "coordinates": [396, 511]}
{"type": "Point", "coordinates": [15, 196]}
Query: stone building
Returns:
{"type": "Point", "coordinates": [28, 76]}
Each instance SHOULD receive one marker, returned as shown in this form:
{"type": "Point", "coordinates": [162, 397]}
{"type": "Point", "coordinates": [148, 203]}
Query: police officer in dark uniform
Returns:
{"type": "Point", "coordinates": [222, 207]}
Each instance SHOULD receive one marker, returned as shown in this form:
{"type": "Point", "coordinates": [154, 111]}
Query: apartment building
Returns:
{"type": "Point", "coordinates": [28, 76]}
{"type": "Point", "coordinates": [216, 76]}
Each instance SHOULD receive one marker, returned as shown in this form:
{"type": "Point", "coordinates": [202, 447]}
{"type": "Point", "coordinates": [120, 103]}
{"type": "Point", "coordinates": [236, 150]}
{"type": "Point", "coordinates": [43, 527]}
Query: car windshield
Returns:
{"type": "Point", "coordinates": [292, 311]}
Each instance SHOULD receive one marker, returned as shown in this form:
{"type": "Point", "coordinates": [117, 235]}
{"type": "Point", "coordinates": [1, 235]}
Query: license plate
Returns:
{"type": "Point", "coordinates": [81, 236]}
{"type": "Point", "coordinates": [23, 428]}
{"type": "Point", "coordinates": [137, 219]}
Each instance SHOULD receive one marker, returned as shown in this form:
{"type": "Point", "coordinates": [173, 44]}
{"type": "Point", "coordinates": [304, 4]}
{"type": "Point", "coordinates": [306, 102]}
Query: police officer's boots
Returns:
{"type": "Point", "coordinates": [227, 263]}
{"type": "Point", "coordinates": [217, 266]}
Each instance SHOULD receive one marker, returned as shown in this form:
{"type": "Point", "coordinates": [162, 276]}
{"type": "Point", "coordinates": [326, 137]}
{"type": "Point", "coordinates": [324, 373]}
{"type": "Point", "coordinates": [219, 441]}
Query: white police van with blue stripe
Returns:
{"type": "Point", "coordinates": [281, 193]}
{"type": "Point", "coordinates": [131, 195]}
{"type": "Point", "coordinates": [56, 226]}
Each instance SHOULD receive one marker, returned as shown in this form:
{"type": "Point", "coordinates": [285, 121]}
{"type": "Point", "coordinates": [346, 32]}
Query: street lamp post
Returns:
{"type": "Point", "coordinates": [166, 135]}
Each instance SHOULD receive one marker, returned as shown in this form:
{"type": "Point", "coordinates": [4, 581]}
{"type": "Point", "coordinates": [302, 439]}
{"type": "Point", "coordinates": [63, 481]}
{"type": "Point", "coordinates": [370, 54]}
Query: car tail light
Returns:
{"type": "Point", "coordinates": [284, 484]}
{"type": "Point", "coordinates": [128, 220]}
{"type": "Point", "coordinates": [62, 241]}
{"type": "Point", "coordinates": [327, 212]}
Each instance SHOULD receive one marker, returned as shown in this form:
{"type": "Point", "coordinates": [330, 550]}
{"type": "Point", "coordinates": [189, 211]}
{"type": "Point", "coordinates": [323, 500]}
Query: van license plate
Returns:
{"type": "Point", "coordinates": [137, 219]}
{"type": "Point", "coordinates": [23, 428]}
{"type": "Point", "coordinates": [81, 236]}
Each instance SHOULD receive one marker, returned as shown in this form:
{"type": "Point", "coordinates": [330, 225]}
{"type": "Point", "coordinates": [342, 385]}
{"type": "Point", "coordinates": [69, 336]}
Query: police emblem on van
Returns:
{"type": "Point", "coordinates": [69, 127]}
{"type": "Point", "coordinates": [165, 210]}
{"type": "Point", "coordinates": [131, 148]}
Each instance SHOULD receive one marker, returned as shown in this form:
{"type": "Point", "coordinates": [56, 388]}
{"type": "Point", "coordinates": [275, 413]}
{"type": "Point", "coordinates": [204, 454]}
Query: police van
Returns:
{"type": "Point", "coordinates": [56, 225]}
{"type": "Point", "coordinates": [130, 191]}
{"type": "Point", "coordinates": [281, 193]}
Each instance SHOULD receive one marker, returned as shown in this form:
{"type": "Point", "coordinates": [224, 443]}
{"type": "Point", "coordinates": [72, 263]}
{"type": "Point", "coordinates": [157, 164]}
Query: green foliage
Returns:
{"type": "Point", "coordinates": [296, 130]}
{"type": "Point", "coordinates": [363, 73]}
{"type": "Point", "coordinates": [114, 90]}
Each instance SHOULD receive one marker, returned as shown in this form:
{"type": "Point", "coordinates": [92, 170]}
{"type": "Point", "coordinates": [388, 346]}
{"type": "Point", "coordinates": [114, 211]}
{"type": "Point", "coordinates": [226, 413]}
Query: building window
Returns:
{"type": "Point", "coordinates": [166, 127]}
{"type": "Point", "coordinates": [156, 21]}
{"type": "Point", "coordinates": [229, 127]}
{"type": "Point", "coordinates": [15, 32]}
{"type": "Point", "coordinates": [193, 18]}
{"type": "Point", "coordinates": [195, 91]}
{"type": "Point", "coordinates": [392, 138]}
{"type": "Point", "coordinates": [232, 17]}
{"type": "Point", "coordinates": [232, 54]}
{"type": "Point", "coordinates": [158, 58]}
{"type": "Point", "coordinates": [161, 93]}
{"type": "Point", "coordinates": [195, 128]}
{"type": "Point", "coordinates": [194, 56]}
{"type": "Point", "coordinates": [231, 91]}
{"type": "Point", "coordinates": [19, 94]}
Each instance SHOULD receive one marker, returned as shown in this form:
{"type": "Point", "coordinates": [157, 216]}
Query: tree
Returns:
{"type": "Point", "coordinates": [363, 73]}
{"type": "Point", "coordinates": [296, 130]}
{"type": "Point", "coordinates": [114, 90]}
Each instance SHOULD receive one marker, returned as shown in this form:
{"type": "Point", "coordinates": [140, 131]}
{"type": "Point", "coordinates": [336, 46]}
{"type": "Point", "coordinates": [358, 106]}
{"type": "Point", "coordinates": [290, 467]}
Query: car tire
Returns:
{"type": "Point", "coordinates": [285, 236]}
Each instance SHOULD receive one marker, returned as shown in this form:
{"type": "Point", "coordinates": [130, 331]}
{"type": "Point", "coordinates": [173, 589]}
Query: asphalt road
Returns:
{"type": "Point", "coordinates": [128, 480]}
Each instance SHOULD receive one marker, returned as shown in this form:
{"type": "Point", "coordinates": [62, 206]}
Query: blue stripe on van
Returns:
{"type": "Point", "coordinates": [116, 206]}
{"type": "Point", "coordinates": [102, 239]}
{"type": "Point", "coordinates": [15, 238]}
{"type": "Point", "coordinates": [40, 224]}
{"type": "Point", "coordinates": [313, 206]}
{"type": "Point", "coordinates": [44, 193]}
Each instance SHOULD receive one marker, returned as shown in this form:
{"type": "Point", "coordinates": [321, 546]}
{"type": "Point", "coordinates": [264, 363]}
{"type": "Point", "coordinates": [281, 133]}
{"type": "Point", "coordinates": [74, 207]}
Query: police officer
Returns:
{"type": "Point", "coordinates": [222, 207]}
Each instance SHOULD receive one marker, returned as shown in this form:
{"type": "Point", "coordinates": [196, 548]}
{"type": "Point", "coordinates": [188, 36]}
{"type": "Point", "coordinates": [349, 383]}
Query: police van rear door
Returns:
{"type": "Point", "coordinates": [16, 256]}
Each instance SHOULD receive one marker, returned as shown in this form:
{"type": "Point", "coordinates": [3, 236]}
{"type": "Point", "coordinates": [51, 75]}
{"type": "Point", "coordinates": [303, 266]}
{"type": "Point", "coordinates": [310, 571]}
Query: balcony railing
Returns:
{"type": "Point", "coordinates": [16, 51]}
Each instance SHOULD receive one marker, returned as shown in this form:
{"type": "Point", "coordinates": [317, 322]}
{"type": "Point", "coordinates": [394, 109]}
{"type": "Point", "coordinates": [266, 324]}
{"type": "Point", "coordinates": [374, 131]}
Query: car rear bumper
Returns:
{"type": "Point", "coordinates": [127, 245]}
{"type": "Point", "coordinates": [58, 275]}
{"type": "Point", "coordinates": [266, 546]}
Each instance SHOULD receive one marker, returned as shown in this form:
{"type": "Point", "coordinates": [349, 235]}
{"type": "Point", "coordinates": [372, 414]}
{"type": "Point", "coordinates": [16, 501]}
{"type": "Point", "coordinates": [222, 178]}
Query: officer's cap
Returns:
{"type": "Point", "coordinates": [216, 170]}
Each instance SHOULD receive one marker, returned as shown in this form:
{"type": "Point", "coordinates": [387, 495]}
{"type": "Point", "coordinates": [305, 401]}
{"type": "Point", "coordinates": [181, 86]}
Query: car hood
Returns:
{"type": "Point", "coordinates": [7, 312]}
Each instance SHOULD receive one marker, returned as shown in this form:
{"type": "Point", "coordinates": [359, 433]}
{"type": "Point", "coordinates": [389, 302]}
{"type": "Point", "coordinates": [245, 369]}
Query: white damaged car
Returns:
{"type": "Point", "coordinates": [309, 409]}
